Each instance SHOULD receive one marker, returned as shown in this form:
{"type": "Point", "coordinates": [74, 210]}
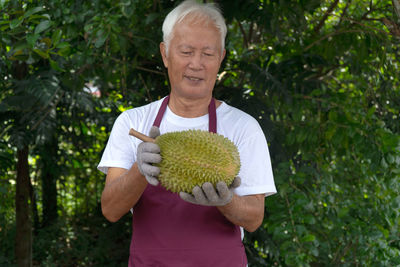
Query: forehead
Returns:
{"type": "Point", "coordinates": [196, 33]}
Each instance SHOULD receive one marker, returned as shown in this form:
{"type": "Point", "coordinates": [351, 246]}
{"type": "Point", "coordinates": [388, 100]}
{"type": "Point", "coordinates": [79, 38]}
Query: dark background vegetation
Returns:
{"type": "Point", "coordinates": [321, 77]}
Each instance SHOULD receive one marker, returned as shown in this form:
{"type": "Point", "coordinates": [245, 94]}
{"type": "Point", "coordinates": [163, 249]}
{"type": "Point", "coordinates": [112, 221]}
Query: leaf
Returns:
{"type": "Point", "coordinates": [41, 53]}
{"type": "Point", "coordinates": [332, 115]}
{"type": "Point", "coordinates": [14, 102]}
{"type": "Point", "coordinates": [4, 28]}
{"type": "Point", "coordinates": [62, 45]}
{"type": "Point", "coordinates": [343, 212]}
{"type": "Point", "coordinates": [56, 36]}
{"type": "Point", "coordinates": [64, 52]}
{"type": "Point", "coordinates": [54, 65]}
{"type": "Point", "coordinates": [84, 129]}
{"type": "Point", "coordinates": [15, 23]}
{"type": "Point", "coordinates": [20, 46]}
{"type": "Point", "coordinates": [301, 136]}
{"type": "Point", "coordinates": [42, 26]}
{"type": "Point", "coordinates": [151, 17]}
{"type": "Point", "coordinates": [37, 17]}
{"type": "Point", "coordinates": [314, 251]}
{"type": "Point", "coordinates": [31, 39]}
{"type": "Point", "coordinates": [16, 54]}
{"type": "Point", "coordinates": [33, 11]}
{"type": "Point", "coordinates": [101, 38]}
{"type": "Point", "coordinates": [308, 238]}
{"type": "Point", "coordinates": [64, 49]}
{"type": "Point", "coordinates": [330, 132]}
{"type": "Point", "coordinates": [76, 164]}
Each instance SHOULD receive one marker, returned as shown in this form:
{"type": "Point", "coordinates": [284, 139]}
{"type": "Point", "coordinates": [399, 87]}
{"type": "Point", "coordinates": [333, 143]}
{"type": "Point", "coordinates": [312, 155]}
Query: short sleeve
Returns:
{"type": "Point", "coordinates": [256, 170]}
{"type": "Point", "coordinates": [120, 148]}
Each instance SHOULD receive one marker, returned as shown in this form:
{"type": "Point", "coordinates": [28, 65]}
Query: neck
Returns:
{"type": "Point", "coordinates": [188, 108]}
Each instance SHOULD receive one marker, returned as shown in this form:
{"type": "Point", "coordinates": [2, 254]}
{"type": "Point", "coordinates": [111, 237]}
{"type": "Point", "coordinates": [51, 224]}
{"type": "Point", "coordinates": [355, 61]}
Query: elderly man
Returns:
{"type": "Point", "coordinates": [204, 228]}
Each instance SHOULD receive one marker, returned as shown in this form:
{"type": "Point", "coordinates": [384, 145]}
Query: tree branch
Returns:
{"type": "Point", "coordinates": [124, 76]}
{"type": "Point", "coordinates": [48, 111]}
{"type": "Point", "coordinates": [251, 32]}
{"type": "Point", "coordinates": [392, 26]}
{"type": "Point", "coordinates": [147, 88]}
{"type": "Point", "coordinates": [245, 40]}
{"type": "Point", "coordinates": [396, 5]}
{"type": "Point", "coordinates": [365, 25]}
{"type": "Point", "coordinates": [395, 33]}
{"type": "Point", "coordinates": [326, 15]}
{"type": "Point", "coordinates": [344, 13]}
{"type": "Point", "coordinates": [364, 16]}
{"type": "Point", "coordinates": [149, 70]}
{"type": "Point", "coordinates": [329, 35]}
{"type": "Point", "coordinates": [296, 238]}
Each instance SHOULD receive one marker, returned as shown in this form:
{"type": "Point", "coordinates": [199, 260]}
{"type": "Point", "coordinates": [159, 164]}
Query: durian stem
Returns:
{"type": "Point", "coordinates": [141, 136]}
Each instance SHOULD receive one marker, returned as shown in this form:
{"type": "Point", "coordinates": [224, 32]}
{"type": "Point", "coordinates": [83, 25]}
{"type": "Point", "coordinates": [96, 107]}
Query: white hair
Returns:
{"type": "Point", "coordinates": [199, 11]}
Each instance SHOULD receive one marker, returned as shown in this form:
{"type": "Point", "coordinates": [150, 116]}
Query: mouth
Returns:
{"type": "Point", "coordinates": [193, 78]}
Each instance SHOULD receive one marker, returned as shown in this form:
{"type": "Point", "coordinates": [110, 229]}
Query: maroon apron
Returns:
{"type": "Point", "coordinates": [168, 231]}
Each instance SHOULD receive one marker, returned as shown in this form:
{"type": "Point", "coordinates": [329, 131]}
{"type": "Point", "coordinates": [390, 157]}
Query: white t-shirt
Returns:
{"type": "Point", "coordinates": [242, 129]}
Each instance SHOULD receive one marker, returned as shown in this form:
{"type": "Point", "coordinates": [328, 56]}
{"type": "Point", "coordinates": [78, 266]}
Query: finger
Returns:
{"type": "Point", "coordinates": [154, 132]}
{"type": "Point", "coordinates": [150, 170]}
{"type": "Point", "coordinates": [149, 147]}
{"type": "Point", "coordinates": [187, 197]}
{"type": "Point", "coordinates": [223, 191]}
{"type": "Point", "coordinates": [236, 183]}
{"type": "Point", "coordinates": [210, 192]}
{"type": "Point", "coordinates": [152, 180]}
{"type": "Point", "coordinates": [199, 195]}
{"type": "Point", "coordinates": [150, 157]}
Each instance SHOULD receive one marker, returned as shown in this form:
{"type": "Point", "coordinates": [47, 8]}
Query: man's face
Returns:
{"type": "Point", "coordinates": [193, 60]}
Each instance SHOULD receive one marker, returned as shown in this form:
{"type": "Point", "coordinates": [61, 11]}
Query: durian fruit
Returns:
{"type": "Point", "coordinates": [193, 157]}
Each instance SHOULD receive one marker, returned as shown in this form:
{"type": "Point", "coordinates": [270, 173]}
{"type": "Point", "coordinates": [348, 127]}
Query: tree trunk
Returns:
{"type": "Point", "coordinates": [35, 213]}
{"type": "Point", "coordinates": [23, 238]}
{"type": "Point", "coordinates": [49, 190]}
{"type": "Point", "coordinates": [49, 181]}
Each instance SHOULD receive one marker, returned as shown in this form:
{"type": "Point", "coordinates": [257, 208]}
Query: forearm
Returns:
{"type": "Point", "coordinates": [245, 211]}
{"type": "Point", "coordinates": [122, 191]}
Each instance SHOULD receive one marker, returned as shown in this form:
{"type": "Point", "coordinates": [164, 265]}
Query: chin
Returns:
{"type": "Point", "coordinates": [197, 94]}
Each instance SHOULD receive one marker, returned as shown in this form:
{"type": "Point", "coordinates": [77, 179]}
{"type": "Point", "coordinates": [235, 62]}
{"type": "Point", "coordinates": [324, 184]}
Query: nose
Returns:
{"type": "Point", "coordinates": [196, 62]}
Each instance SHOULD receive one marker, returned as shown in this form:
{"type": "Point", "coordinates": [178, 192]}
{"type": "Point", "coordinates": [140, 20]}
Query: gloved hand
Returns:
{"type": "Point", "coordinates": [207, 195]}
{"type": "Point", "coordinates": [148, 153]}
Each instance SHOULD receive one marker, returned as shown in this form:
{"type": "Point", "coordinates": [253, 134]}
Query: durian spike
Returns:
{"type": "Point", "coordinates": [141, 136]}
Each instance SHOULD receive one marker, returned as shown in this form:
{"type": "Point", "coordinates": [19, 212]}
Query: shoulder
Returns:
{"type": "Point", "coordinates": [237, 120]}
{"type": "Point", "coordinates": [141, 111]}
{"type": "Point", "coordinates": [140, 116]}
{"type": "Point", "coordinates": [231, 112]}
{"type": "Point", "coordinates": [247, 134]}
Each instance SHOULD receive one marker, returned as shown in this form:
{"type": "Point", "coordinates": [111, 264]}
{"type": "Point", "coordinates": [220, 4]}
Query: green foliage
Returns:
{"type": "Point", "coordinates": [91, 241]}
{"type": "Point", "coordinates": [77, 241]}
{"type": "Point", "coordinates": [321, 77]}
{"type": "Point", "coordinates": [330, 103]}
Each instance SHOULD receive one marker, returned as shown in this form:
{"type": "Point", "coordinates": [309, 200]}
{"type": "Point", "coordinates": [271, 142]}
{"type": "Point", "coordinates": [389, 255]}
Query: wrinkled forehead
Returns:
{"type": "Point", "coordinates": [195, 18]}
{"type": "Point", "coordinates": [196, 34]}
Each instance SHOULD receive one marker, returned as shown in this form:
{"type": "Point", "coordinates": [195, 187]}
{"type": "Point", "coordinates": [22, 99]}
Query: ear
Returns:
{"type": "Point", "coordinates": [223, 56]}
{"type": "Point", "coordinates": [164, 54]}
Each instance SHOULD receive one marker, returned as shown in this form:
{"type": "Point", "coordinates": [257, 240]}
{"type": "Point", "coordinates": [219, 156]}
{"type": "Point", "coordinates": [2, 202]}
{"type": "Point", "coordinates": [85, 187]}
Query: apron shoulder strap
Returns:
{"type": "Point", "coordinates": [161, 112]}
{"type": "Point", "coordinates": [212, 115]}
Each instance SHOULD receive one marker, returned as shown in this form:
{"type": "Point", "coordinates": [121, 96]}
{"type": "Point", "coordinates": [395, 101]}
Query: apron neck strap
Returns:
{"type": "Point", "coordinates": [212, 115]}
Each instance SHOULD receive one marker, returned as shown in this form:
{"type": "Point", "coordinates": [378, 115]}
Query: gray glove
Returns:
{"type": "Point", "coordinates": [207, 195]}
{"type": "Point", "coordinates": [148, 153]}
